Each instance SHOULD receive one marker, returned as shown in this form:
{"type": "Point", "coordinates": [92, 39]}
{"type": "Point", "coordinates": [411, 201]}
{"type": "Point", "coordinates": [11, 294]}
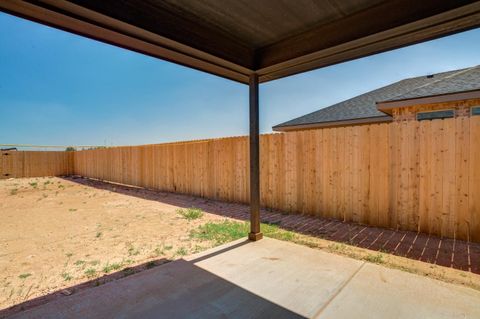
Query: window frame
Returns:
{"type": "Point", "coordinates": [450, 111]}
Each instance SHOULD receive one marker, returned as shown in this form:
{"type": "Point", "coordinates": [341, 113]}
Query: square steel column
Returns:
{"type": "Point", "coordinates": [255, 233]}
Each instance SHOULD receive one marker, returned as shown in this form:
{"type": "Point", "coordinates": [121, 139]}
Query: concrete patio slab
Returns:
{"type": "Point", "coordinates": [267, 279]}
{"type": "Point", "coordinates": [379, 292]}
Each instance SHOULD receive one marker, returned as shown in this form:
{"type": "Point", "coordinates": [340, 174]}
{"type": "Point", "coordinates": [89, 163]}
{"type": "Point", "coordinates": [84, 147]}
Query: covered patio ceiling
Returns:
{"type": "Point", "coordinates": [273, 38]}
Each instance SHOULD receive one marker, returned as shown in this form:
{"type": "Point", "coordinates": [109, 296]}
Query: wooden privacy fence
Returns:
{"type": "Point", "coordinates": [420, 176]}
{"type": "Point", "coordinates": [35, 164]}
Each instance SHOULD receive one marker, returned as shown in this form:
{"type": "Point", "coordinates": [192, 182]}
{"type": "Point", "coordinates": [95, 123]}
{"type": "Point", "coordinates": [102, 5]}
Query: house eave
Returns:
{"type": "Point", "coordinates": [309, 126]}
{"type": "Point", "coordinates": [388, 106]}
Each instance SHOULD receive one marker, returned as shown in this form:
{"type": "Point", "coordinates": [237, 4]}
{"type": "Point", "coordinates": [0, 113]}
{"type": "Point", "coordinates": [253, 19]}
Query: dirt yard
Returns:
{"type": "Point", "coordinates": [57, 233]}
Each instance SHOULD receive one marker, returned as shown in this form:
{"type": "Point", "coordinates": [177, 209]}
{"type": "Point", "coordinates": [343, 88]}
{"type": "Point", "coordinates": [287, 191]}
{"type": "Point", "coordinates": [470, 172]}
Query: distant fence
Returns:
{"type": "Point", "coordinates": [420, 176]}
{"type": "Point", "coordinates": [35, 164]}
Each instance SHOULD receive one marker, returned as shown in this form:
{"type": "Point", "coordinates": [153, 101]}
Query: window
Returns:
{"type": "Point", "coordinates": [443, 114]}
{"type": "Point", "coordinates": [476, 110]}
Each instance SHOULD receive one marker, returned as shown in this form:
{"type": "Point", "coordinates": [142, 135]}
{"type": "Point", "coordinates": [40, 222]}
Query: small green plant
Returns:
{"type": "Point", "coordinates": [150, 264]}
{"type": "Point", "coordinates": [69, 255]}
{"type": "Point", "coordinates": [33, 184]}
{"type": "Point", "coordinates": [158, 252]}
{"type": "Point", "coordinates": [168, 247]}
{"type": "Point", "coordinates": [377, 259]}
{"type": "Point", "coordinates": [197, 249]}
{"type": "Point", "coordinates": [132, 251]}
{"type": "Point", "coordinates": [72, 209]}
{"type": "Point", "coordinates": [14, 191]}
{"type": "Point", "coordinates": [90, 272]}
{"type": "Point", "coordinates": [66, 276]}
{"type": "Point", "coordinates": [111, 267]}
{"type": "Point", "coordinates": [24, 276]}
{"type": "Point", "coordinates": [79, 263]}
{"type": "Point", "coordinates": [337, 247]}
{"type": "Point", "coordinates": [190, 213]}
{"type": "Point", "coordinates": [61, 186]}
{"type": "Point", "coordinates": [182, 251]}
{"type": "Point", "coordinates": [99, 234]}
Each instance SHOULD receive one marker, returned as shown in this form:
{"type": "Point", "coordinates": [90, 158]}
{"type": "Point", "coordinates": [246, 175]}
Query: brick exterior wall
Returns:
{"type": "Point", "coordinates": [408, 113]}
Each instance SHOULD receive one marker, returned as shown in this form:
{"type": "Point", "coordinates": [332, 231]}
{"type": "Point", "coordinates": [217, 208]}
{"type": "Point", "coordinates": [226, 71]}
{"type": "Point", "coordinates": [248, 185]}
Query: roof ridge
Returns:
{"type": "Point", "coordinates": [445, 77]}
{"type": "Point", "coordinates": [441, 73]}
{"type": "Point", "coordinates": [454, 73]}
{"type": "Point", "coordinates": [442, 78]}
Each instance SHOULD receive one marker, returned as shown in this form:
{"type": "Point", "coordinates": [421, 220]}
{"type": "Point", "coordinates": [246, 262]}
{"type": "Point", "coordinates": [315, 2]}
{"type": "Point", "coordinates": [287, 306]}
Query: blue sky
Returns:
{"type": "Point", "coordinates": [59, 88]}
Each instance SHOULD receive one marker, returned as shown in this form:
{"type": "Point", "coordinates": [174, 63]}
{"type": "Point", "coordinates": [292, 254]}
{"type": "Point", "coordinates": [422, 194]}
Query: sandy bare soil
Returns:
{"type": "Point", "coordinates": [56, 233]}
{"type": "Point", "coordinates": [59, 236]}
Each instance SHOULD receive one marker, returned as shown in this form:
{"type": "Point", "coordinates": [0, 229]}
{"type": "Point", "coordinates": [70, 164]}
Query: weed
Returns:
{"type": "Point", "coordinates": [66, 276]}
{"type": "Point", "coordinates": [90, 272]}
{"type": "Point", "coordinates": [168, 247]}
{"type": "Point", "coordinates": [99, 234]}
{"type": "Point", "coordinates": [377, 259]}
{"type": "Point", "coordinates": [24, 276]}
{"type": "Point", "coordinates": [14, 191]}
{"type": "Point", "coordinates": [150, 264]}
{"type": "Point", "coordinates": [79, 262]}
{"type": "Point", "coordinates": [132, 251]}
{"type": "Point", "coordinates": [190, 213]}
{"type": "Point", "coordinates": [33, 184]}
{"type": "Point", "coordinates": [72, 209]}
{"type": "Point", "coordinates": [111, 267]}
{"type": "Point", "coordinates": [197, 249]}
{"type": "Point", "coordinates": [337, 247]}
{"type": "Point", "coordinates": [69, 255]}
{"type": "Point", "coordinates": [158, 252]}
{"type": "Point", "coordinates": [61, 186]}
{"type": "Point", "coordinates": [182, 251]}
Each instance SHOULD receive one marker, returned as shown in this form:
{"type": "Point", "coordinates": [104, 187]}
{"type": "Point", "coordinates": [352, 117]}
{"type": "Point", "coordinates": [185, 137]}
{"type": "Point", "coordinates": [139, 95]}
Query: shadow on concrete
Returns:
{"type": "Point", "coordinates": [178, 289]}
{"type": "Point", "coordinates": [446, 252]}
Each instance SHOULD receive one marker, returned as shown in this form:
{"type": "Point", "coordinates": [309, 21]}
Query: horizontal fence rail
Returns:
{"type": "Point", "coordinates": [16, 164]}
{"type": "Point", "coordinates": [420, 176]}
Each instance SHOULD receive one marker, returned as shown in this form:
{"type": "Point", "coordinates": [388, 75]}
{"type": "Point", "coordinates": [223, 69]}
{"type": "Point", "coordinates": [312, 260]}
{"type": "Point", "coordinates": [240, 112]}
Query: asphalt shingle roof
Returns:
{"type": "Point", "coordinates": [364, 105]}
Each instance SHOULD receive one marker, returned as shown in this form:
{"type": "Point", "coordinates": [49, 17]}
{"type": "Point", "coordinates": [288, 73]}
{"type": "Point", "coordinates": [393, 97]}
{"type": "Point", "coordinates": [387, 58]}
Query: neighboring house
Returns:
{"type": "Point", "coordinates": [442, 95]}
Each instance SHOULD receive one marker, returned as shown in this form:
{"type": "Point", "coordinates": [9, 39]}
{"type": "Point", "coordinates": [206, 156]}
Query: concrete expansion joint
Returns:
{"type": "Point", "coordinates": [339, 290]}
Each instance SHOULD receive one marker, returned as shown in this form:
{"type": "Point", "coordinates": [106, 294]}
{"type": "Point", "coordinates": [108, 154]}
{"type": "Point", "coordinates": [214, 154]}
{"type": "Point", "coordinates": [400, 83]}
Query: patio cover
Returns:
{"type": "Point", "coordinates": [273, 38]}
{"type": "Point", "coordinates": [252, 41]}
